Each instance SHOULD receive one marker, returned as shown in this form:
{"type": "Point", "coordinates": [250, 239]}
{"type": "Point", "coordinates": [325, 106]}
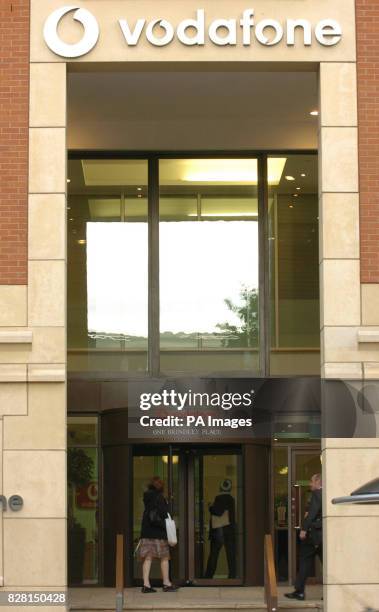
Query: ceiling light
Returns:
{"type": "Point", "coordinates": [139, 195]}
{"type": "Point", "coordinates": [314, 113]}
{"type": "Point", "coordinates": [174, 458]}
{"type": "Point", "coordinates": [298, 188]}
{"type": "Point", "coordinates": [295, 195]}
{"type": "Point", "coordinates": [283, 471]}
{"type": "Point", "coordinates": [69, 180]}
{"type": "Point", "coordinates": [222, 214]}
{"type": "Point", "coordinates": [290, 206]}
{"type": "Point", "coordinates": [81, 241]}
{"type": "Point", "coordinates": [289, 178]}
{"type": "Point", "coordinates": [303, 175]}
{"type": "Point", "coordinates": [230, 171]}
{"type": "Point", "coordinates": [139, 188]}
{"type": "Point", "coordinates": [71, 219]}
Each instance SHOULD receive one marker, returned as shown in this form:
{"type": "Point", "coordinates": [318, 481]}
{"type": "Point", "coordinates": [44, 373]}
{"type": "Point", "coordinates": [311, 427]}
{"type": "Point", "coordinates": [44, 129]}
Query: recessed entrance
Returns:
{"type": "Point", "coordinates": [264, 490]}
{"type": "Point", "coordinates": [177, 201]}
{"type": "Point", "coordinates": [232, 477]}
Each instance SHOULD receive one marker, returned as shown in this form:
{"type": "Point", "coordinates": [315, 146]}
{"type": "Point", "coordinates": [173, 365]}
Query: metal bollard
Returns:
{"type": "Point", "coordinates": [119, 572]}
{"type": "Point", "coordinates": [119, 602]}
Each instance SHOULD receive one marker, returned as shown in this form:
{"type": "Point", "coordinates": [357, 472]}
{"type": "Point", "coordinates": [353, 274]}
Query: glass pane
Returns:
{"type": "Point", "coordinates": [83, 516]}
{"type": "Point", "coordinates": [294, 270]}
{"type": "Point", "coordinates": [306, 465]}
{"type": "Point", "coordinates": [218, 516]}
{"type": "Point", "coordinates": [209, 265]}
{"type": "Point", "coordinates": [281, 511]}
{"type": "Point", "coordinates": [82, 431]}
{"type": "Point", "coordinates": [107, 265]}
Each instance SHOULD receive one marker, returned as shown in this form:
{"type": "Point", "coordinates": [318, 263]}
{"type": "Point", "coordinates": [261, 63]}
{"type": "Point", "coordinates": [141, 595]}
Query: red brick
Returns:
{"type": "Point", "coordinates": [14, 120]}
{"type": "Point", "coordinates": [367, 23]}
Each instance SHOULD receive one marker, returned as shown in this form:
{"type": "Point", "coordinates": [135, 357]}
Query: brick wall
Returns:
{"type": "Point", "coordinates": [367, 13]}
{"type": "Point", "coordinates": [14, 109]}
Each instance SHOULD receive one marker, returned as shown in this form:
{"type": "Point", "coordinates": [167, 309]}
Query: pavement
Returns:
{"type": "Point", "coordinates": [190, 598]}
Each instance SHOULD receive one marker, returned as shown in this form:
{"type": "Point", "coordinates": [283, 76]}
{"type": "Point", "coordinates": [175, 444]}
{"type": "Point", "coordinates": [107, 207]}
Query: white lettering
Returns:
{"type": "Point", "coordinates": [132, 38]}
{"type": "Point", "coordinates": [197, 24]}
{"type": "Point", "coordinates": [328, 32]}
{"type": "Point", "coordinates": [269, 23]}
{"type": "Point", "coordinates": [162, 40]}
{"type": "Point", "coordinates": [246, 24]}
{"type": "Point", "coordinates": [292, 24]}
{"type": "Point", "coordinates": [193, 31]}
{"type": "Point", "coordinates": [228, 24]}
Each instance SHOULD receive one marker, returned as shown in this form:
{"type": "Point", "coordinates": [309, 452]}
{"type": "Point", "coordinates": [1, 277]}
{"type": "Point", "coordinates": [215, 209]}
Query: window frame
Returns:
{"type": "Point", "coordinates": [152, 158]}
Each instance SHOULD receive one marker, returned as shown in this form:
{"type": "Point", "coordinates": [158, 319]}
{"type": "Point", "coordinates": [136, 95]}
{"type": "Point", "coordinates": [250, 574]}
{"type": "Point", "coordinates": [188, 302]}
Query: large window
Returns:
{"type": "Point", "coordinates": [107, 265]}
{"type": "Point", "coordinates": [293, 260]}
{"type": "Point", "coordinates": [190, 265]}
{"type": "Point", "coordinates": [209, 276]}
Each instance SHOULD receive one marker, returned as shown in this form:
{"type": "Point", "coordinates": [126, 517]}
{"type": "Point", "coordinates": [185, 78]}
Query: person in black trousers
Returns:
{"type": "Point", "coordinates": [311, 539]}
{"type": "Point", "coordinates": [222, 530]}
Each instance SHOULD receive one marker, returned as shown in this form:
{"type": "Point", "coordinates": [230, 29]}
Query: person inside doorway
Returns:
{"type": "Point", "coordinates": [310, 537]}
{"type": "Point", "coordinates": [153, 543]}
{"type": "Point", "coordinates": [222, 530]}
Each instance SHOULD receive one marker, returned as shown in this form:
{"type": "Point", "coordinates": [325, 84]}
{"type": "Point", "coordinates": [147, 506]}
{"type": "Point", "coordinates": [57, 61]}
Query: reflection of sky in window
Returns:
{"type": "Point", "coordinates": [201, 264]}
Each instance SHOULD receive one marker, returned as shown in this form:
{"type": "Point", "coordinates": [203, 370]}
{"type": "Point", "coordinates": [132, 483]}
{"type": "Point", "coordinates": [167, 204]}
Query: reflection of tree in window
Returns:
{"type": "Point", "coordinates": [247, 333]}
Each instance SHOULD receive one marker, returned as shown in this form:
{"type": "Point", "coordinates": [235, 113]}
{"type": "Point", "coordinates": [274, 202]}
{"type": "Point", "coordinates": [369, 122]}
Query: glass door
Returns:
{"type": "Point", "coordinates": [215, 515]}
{"type": "Point", "coordinates": [168, 464]}
{"type": "Point", "coordinates": [292, 467]}
{"type": "Point", "coordinates": [305, 463]}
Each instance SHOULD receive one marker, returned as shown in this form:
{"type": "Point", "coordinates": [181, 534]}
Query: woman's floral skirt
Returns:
{"type": "Point", "coordinates": [153, 549]}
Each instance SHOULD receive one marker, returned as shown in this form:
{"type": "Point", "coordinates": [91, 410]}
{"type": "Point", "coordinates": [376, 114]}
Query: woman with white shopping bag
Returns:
{"type": "Point", "coordinates": [158, 533]}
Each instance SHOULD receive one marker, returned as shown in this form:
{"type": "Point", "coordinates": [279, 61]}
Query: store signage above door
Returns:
{"type": "Point", "coordinates": [244, 30]}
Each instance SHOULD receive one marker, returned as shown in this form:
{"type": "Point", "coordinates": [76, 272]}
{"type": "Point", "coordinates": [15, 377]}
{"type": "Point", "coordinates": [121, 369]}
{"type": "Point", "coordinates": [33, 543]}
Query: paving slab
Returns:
{"type": "Point", "coordinates": [200, 599]}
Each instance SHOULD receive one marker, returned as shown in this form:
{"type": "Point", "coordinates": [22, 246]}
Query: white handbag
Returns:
{"type": "Point", "coordinates": [171, 531]}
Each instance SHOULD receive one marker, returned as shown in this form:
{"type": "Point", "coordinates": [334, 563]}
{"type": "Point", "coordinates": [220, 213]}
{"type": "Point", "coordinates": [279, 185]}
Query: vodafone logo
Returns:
{"type": "Point", "coordinates": [89, 38]}
{"type": "Point", "coordinates": [245, 30]}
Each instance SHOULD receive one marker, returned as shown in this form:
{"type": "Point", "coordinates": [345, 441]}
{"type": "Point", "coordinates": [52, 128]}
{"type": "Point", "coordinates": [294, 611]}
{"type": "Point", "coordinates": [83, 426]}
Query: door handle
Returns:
{"type": "Point", "coordinates": [296, 507]}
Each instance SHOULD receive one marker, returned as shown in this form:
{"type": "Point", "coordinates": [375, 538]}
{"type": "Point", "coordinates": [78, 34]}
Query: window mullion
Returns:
{"type": "Point", "coordinates": [153, 288]}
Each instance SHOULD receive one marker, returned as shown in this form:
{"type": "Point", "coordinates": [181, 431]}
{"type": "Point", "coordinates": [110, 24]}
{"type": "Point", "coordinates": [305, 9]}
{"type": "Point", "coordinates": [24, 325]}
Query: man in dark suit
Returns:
{"type": "Point", "coordinates": [222, 530]}
{"type": "Point", "coordinates": [311, 538]}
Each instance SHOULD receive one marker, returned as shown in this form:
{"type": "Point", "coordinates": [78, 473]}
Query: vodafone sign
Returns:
{"type": "Point", "coordinates": [244, 30]}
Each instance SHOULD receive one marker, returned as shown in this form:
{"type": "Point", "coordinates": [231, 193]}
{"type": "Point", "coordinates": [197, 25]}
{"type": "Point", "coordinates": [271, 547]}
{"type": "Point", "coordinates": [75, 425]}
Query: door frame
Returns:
{"type": "Point", "coordinates": [292, 449]}
{"type": "Point", "coordinates": [293, 534]}
{"type": "Point", "coordinates": [255, 486]}
{"type": "Point", "coordinates": [190, 518]}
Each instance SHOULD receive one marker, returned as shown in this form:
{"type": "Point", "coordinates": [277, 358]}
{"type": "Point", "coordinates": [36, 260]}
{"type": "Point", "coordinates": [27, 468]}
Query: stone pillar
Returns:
{"type": "Point", "coordinates": [351, 533]}
{"type": "Point", "coordinates": [33, 354]}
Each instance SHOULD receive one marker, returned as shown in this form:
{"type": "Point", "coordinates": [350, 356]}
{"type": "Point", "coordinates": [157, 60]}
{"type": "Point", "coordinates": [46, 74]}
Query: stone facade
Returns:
{"type": "Point", "coordinates": [33, 311]}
